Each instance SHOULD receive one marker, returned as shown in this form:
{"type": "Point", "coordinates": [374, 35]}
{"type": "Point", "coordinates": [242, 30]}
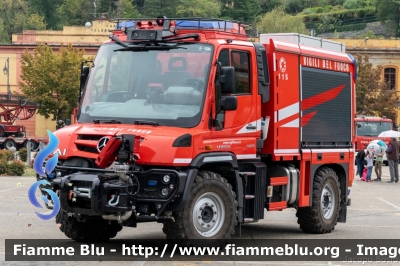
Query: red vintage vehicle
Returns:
{"type": "Point", "coordinates": [187, 123]}
{"type": "Point", "coordinates": [12, 108]}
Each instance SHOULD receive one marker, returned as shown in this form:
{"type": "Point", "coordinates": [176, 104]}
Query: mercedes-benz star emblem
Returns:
{"type": "Point", "coordinates": [102, 143]}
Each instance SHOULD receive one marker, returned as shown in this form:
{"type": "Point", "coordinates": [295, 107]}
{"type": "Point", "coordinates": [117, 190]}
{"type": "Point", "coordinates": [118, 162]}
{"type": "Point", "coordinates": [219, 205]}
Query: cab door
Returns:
{"type": "Point", "coordinates": [237, 130]}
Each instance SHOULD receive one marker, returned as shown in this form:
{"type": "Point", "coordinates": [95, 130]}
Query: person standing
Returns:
{"type": "Point", "coordinates": [378, 164]}
{"type": "Point", "coordinates": [360, 157]}
{"type": "Point", "coordinates": [392, 154]}
{"type": "Point", "coordinates": [370, 164]}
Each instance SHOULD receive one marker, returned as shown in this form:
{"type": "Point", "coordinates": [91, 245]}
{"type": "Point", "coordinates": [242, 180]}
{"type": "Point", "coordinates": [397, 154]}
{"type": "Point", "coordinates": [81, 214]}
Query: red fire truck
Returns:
{"type": "Point", "coordinates": [187, 123]}
{"type": "Point", "coordinates": [368, 129]}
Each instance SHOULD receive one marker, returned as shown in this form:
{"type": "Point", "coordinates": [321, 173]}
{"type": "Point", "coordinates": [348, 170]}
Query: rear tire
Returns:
{"type": "Point", "coordinates": [9, 143]}
{"type": "Point", "coordinates": [92, 230]}
{"type": "Point", "coordinates": [211, 212]}
{"type": "Point", "coordinates": [322, 216]}
{"type": "Point", "coordinates": [34, 145]}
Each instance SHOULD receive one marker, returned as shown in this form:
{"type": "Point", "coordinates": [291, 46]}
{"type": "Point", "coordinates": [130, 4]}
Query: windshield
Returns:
{"type": "Point", "coordinates": [165, 86]}
{"type": "Point", "coordinates": [372, 129]}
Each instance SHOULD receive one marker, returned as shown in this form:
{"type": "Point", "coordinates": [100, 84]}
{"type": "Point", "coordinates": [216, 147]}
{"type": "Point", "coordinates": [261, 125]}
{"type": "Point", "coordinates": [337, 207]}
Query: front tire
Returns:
{"type": "Point", "coordinates": [211, 212]}
{"type": "Point", "coordinates": [91, 230]}
{"type": "Point", "coordinates": [321, 217]}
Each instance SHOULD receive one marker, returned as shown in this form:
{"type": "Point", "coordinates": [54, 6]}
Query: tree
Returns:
{"type": "Point", "coordinates": [46, 9]}
{"type": "Point", "coordinates": [279, 21]}
{"type": "Point", "coordinates": [75, 12]}
{"type": "Point", "coordinates": [243, 10]}
{"type": "Point", "coordinates": [15, 16]}
{"type": "Point", "coordinates": [372, 94]}
{"type": "Point", "coordinates": [126, 9]}
{"type": "Point", "coordinates": [52, 80]}
{"type": "Point", "coordinates": [268, 5]}
{"type": "Point", "coordinates": [155, 8]}
{"type": "Point", "coordinates": [389, 10]}
{"type": "Point", "coordinates": [198, 8]}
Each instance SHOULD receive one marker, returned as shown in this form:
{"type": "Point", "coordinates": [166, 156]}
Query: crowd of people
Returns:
{"type": "Point", "coordinates": [365, 162]}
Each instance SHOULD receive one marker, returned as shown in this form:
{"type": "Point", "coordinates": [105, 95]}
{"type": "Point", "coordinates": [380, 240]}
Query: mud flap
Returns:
{"type": "Point", "coordinates": [342, 213]}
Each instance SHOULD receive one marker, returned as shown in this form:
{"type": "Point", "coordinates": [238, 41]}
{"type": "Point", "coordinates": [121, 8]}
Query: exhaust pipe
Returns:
{"type": "Point", "coordinates": [120, 218]}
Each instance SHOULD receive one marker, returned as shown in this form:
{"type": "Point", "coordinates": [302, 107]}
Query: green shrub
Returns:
{"type": "Point", "coordinates": [3, 166]}
{"type": "Point", "coordinates": [23, 154]}
{"type": "Point", "coordinates": [9, 155]}
{"type": "Point", "coordinates": [3, 155]}
{"type": "Point", "coordinates": [351, 27]}
{"type": "Point", "coordinates": [15, 168]}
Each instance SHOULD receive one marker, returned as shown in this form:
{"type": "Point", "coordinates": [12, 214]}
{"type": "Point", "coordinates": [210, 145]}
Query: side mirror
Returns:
{"type": "Point", "coordinates": [228, 103]}
{"type": "Point", "coordinates": [84, 75]}
{"type": "Point", "coordinates": [396, 126]}
{"type": "Point", "coordinates": [227, 79]}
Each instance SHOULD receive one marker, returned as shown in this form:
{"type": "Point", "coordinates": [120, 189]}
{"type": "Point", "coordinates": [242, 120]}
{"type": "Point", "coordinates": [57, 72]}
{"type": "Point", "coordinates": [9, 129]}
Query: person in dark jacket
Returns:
{"type": "Point", "coordinates": [360, 160]}
{"type": "Point", "coordinates": [392, 154]}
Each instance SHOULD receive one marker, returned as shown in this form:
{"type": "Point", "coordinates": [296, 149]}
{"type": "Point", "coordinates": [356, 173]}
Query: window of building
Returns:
{"type": "Point", "coordinates": [390, 77]}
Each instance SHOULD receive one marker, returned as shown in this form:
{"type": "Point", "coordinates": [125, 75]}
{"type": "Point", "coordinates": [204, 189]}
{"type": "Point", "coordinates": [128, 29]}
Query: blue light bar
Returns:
{"type": "Point", "coordinates": [152, 183]}
{"type": "Point", "coordinates": [203, 24]}
{"type": "Point", "coordinates": [126, 24]}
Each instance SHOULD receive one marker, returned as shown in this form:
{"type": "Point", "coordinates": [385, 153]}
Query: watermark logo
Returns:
{"type": "Point", "coordinates": [40, 170]}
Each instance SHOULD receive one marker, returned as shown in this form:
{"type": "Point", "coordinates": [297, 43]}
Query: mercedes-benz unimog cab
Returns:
{"type": "Point", "coordinates": [187, 123]}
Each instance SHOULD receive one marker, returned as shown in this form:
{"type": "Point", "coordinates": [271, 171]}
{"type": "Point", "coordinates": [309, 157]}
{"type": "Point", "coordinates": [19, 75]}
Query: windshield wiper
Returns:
{"type": "Point", "coordinates": [106, 121]}
{"type": "Point", "coordinates": [144, 122]}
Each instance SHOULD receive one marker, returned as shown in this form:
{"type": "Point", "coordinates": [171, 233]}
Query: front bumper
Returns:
{"type": "Point", "coordinates": [102, 194]}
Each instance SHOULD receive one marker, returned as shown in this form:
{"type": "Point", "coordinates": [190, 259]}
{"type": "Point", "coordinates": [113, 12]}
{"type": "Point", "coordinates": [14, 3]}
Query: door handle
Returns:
{"type": "Point", "coordinates": [251, 127]}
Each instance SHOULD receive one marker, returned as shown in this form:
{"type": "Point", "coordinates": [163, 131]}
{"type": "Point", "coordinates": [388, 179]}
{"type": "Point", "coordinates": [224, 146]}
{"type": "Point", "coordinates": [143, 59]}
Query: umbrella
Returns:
{"type": "Point", "coordinates": [390, 134]}
{"type": "Point", "coordinates": [377, 146]}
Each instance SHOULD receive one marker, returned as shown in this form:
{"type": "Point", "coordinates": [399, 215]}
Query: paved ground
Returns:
{"type": "Point", "coordinates": [374, 214]}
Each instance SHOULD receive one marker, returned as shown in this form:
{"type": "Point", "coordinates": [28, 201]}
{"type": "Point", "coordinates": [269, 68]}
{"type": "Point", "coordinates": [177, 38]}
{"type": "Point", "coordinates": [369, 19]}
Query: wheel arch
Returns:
{"type": "Point", "coordinates": [223, 163]}
{"type": "Point", "coordinates": [342, 174]}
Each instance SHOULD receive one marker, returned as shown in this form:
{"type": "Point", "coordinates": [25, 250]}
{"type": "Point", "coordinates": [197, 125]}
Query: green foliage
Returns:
{"type": "Point", "coordinates": [6, 155]}
{"type": "Point", "coordinates": [46, 9]}
{"type": "Point", "coordinates": [278, 21]}
{"type": "Point", "coordinates": [155, 8]}
{"type": "Point", "coordinates": [23, 154]}
{"type": "Point", "coordinates": [3, 166]}
{"type": "Point", "coordinates": [15, 168]}
{"type": "Point", "coordinates": [370, 34]}
{"type": "Point", "coordinates": [128, 10]}
{"type": "Point", "coordinates": [351, 27]}
{"type": "Point", "coordinates": [52, 80]}
{"type": "Point", "coordinates": [268, 5]}
{"type": "Point", "coordinates": [344, 14]}
{"type": "Point", "coordinates": [243, 10]}
{"type": "Point", "coordinates": [198, 8]}
{"type": "Point", "coordinates": [75, 12]}
{"type": "Point", "coordinates": [389, 10]}
{"type": "Point", "coordinates": [295, 6]}
{"type": "Point", "coordinates": [372, 95]}
{"type": "Point", "coordinates": [15, 16]}
{"type": "Point", "coordinates": [353, 4]}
